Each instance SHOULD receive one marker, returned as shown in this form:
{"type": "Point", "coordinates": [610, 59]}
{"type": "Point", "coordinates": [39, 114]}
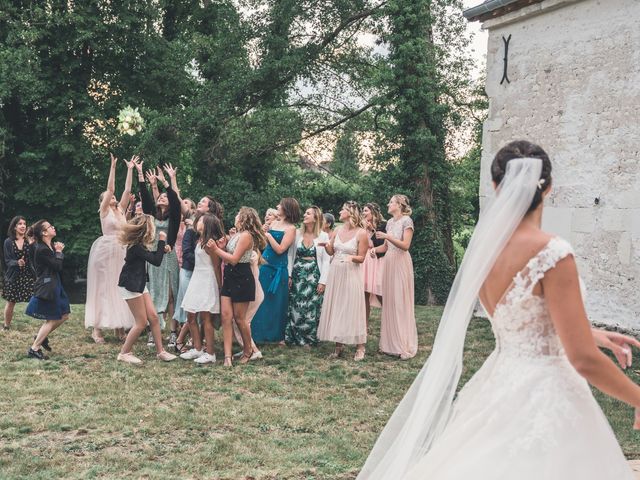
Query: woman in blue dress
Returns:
{"type": "Point", "coordinates": [270, 320]}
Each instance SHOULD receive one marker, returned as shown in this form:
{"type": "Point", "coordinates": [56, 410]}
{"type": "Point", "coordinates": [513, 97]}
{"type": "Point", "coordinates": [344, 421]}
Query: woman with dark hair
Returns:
{"type": "Point", "coordinates": [49, 301]}
{"type": "Point", "coordinates": [203, 294]}
{"type": "Point", "coordinates": [167, 211]}
{"type": "Point", "coordinates": [270, 320]}
{"type": "Point", "coordinates": [19, 274]}
{"type": "Point", "coordinates": [528, 412]}
{"type": "Point", "coordinates": [373, 265]}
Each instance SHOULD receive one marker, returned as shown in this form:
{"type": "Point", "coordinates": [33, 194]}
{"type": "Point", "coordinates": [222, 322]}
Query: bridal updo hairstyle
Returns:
{"type": "Point", "coordinates": [523, 149]}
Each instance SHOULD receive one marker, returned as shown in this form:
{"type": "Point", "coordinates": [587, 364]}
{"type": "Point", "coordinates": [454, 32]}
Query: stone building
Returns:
{"type": "Point", "coordinates": [566, 74]}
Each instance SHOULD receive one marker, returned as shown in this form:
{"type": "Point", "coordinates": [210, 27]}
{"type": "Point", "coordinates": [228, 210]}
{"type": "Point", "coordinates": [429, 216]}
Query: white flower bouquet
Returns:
{"type": "Point", "coordinates": [130, 121]}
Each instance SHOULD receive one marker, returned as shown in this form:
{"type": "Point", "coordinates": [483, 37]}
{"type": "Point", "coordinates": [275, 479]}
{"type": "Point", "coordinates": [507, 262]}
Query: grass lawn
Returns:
{"type": "Point", "coordinates": [293, 415]}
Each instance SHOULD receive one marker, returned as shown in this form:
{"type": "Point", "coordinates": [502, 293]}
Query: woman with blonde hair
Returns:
{"type": "Point", "coordinates": [238, 285]}
{"type": "Point", "coordinates": [398, 332]}
{"type": "Point", "coordinates": [343, 318]}
{"type": "Point", "coordinates": [270, 216]}
{"type": "Point", "coordinates": [308, 280]}
{"type": "Point", "coordinates": [138, 235]}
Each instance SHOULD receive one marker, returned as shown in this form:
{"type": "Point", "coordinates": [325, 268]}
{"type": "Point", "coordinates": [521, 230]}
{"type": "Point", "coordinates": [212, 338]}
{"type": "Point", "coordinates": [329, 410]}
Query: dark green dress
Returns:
{"type": "Point", "coordinates": [304, 300]}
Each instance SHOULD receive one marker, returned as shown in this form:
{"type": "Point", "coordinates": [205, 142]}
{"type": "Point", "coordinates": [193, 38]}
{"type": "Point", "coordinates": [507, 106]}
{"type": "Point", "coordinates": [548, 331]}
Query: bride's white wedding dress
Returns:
{"type": "Point", "coordinates": [526, 414]}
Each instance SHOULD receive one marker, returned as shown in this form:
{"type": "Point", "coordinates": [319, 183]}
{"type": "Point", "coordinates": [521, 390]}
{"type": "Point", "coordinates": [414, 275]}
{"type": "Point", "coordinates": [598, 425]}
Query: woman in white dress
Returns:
{"type": "Point", "coordinates": [104, 307]}
{"type": "Point", "coordinates": [528, 413]}
{"type": "Point", "coordinates": [203, 295]}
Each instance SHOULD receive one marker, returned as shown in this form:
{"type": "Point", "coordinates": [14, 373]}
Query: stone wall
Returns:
{"type": "Point", "coordinates": [574, 68]}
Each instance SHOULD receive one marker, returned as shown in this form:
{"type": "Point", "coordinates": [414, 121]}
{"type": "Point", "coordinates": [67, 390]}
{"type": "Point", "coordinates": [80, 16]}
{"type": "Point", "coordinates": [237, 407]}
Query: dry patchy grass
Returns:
{"type": "Point", "coordinates": [293, 415]}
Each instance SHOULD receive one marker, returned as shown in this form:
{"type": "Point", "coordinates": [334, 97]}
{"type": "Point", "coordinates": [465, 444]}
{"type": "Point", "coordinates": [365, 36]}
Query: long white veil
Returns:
{"type": "Point", "coordinates": [425, 410]}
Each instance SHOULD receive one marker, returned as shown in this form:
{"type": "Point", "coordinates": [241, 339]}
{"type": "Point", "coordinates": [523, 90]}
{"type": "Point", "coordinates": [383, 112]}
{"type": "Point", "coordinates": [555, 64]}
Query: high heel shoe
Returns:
{"type": "Point", "coordinates": [244, 359]}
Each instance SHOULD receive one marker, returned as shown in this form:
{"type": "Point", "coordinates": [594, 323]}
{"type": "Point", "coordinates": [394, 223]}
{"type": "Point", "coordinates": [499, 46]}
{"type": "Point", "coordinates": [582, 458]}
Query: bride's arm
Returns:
{"type": "Point", "coordinates": [562, 293]}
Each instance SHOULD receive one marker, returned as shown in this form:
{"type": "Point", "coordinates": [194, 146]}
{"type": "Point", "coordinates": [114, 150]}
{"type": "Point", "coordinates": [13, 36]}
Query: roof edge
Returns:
{"type": "Point", "coordinates": [495, 8]}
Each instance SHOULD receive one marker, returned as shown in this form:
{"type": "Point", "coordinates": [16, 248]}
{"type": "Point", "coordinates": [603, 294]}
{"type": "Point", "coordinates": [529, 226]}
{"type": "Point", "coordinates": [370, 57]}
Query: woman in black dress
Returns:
{"type": "Point", "coordinates": [49, 301]}
{"type": "Point", "coordinates": [19, 274]}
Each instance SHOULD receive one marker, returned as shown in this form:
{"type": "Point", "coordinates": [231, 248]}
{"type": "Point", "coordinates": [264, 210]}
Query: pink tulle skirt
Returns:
{"type": "Point", "coordinates": [105, 307]}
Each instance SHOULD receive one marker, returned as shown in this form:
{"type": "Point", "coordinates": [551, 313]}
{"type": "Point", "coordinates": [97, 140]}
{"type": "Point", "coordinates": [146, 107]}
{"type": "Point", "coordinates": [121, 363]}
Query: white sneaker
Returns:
{"type": "Point", "coordinates": [192, 354]}
{"type": "Point", "coordinates": [205, 358]}
{"type": "Point", "coordinates": [150, 341]}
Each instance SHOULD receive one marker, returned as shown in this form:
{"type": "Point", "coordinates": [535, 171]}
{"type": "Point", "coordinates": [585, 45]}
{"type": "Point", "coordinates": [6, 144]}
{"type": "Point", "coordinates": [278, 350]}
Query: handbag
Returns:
{"type": "Point", "coordinates": [44, 288]}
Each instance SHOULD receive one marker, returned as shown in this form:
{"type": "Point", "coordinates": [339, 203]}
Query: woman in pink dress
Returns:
{"type": "Point", "coordinates": [105, 307]}
{"type": "Point", "coordinates": [343, 318]}
{"type": "Point", "coordinates": [398, 332]}
{"type": "Point", "coordinates": [374, 262]}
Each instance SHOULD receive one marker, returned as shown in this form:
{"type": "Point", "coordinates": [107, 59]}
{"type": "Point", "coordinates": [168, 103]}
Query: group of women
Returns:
{"type": "Point", "coordinates": [292, 280]}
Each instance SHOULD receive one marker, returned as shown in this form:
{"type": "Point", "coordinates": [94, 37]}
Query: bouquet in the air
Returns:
{"type": "Point", "coordinates": [130, 121]}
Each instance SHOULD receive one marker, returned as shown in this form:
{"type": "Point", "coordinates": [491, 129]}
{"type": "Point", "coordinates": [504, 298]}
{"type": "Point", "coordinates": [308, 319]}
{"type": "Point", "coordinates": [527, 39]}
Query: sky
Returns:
{"type": "Point", "coordinates": [479, 44]}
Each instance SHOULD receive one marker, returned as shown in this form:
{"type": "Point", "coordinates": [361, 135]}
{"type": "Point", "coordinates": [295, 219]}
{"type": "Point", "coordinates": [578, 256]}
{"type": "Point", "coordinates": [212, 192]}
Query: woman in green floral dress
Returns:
{"type": "Point", "coordinates": [307, 281]}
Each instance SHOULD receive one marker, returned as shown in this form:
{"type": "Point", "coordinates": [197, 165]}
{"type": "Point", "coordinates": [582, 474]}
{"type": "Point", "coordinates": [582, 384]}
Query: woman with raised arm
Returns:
{"type": "Point", "coordinates": [398, 332]}
{"type": "Point", "coordinates": [343, 318]}
{"type": "Point", "coordinates": [529, 412]}
{"type": "Point", "coordinates": [104, 307]}
{"type": "Point", "coordinates": [49, 301]}
{"type": "Point", "coordinates": [163, 279]}
{"type": "Point", "coordinates": [308, 281]}
{"type": "Point", "coordinates": [271, 318]}
{"type": "Point", "coordinates": [19, 273]}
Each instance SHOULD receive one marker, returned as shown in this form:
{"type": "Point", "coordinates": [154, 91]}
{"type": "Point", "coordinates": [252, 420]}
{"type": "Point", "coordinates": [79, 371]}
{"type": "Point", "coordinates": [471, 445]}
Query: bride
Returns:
{"type": "Point", "coordinates": [528, 413]}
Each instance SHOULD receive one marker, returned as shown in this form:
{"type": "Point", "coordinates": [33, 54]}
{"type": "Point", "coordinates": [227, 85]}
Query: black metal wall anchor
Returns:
{"type": "Point", "coordinates": [505, 75]}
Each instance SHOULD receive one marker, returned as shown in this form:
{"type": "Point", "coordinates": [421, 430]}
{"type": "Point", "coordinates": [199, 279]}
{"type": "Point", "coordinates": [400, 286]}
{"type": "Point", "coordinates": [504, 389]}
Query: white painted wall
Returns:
{"type": "Point", "coordinates": [574, 68]}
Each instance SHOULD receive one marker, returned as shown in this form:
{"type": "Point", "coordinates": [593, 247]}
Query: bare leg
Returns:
{"type": "Point", "coordinates": [209, 331]}
{"type": "Point", "coordinates": [226, 312]}
{"type": "Point", "coordinates": [8, 313]}
{"type": "Point", "coordinates": [183, 333]}
{"type": "Point", "coordinates": [139, 311]}
{"type": "Point", "coordinates": [46, 328]}
{"type": "Point", "coordinates": [194, 330]}
{"type": "Point", "coordinates": [154, 322]}
{"type": "Point", "coordinates": [168, 314]}
{"type": "Point", "coordinates": [240, 314]}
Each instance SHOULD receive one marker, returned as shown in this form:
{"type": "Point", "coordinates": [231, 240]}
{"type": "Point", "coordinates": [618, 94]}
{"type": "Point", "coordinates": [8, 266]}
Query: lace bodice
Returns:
{"type": "Point", "coordinates": [111, 223]}
{"type": "Point", "coordinates": [521, 322]}
{"type": "Point", "coordinates": [396, 229]}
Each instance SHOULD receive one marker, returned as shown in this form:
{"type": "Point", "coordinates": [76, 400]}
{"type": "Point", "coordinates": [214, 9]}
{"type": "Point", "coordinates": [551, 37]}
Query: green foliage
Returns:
{"type": "Point", "coordinates": [232, 93]}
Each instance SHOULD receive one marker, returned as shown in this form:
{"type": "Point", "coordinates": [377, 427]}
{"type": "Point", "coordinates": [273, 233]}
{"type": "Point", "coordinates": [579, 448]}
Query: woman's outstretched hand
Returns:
{"type": "Point", "coordinates": [132, 163]}
{"type": "Point", "coordinates": [171, 170]}
{"type": "Point", "coordinates": [151, 178]}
